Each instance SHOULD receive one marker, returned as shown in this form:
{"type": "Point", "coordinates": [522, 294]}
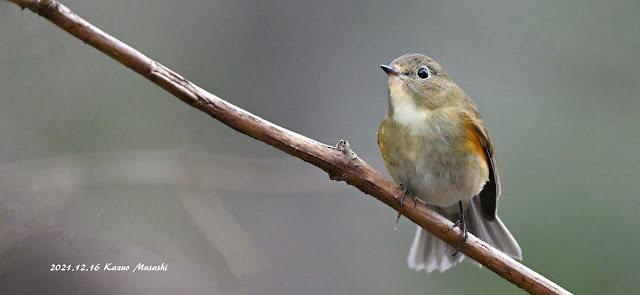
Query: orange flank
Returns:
{"type": "Point", "coordinates": [474, 142]}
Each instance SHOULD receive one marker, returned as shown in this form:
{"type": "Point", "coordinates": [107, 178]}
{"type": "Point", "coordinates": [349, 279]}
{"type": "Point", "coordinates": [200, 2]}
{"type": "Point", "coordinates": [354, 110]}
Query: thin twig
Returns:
{"type": "Point", "coordinates": [339, 162]}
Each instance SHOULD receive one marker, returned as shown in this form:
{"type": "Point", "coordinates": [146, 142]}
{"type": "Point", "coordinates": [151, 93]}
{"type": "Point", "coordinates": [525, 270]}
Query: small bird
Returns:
{"type": "Point", "coordinates": [436, 146]}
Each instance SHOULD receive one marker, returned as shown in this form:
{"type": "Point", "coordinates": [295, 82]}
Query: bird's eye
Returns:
{"type": "Point", "coordinates": [423, 73]}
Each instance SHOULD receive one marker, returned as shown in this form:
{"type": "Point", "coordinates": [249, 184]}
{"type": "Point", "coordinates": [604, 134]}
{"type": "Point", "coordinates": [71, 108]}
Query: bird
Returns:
{"type": "Point", "coordinates": [436, 146]}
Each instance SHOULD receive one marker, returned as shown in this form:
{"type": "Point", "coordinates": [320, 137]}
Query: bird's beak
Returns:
{"type": "Point", "coordinates": [391, 71]}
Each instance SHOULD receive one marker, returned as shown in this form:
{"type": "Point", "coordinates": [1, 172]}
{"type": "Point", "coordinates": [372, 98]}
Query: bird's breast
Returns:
{"type": "Point", "coordinates": [431, 157]}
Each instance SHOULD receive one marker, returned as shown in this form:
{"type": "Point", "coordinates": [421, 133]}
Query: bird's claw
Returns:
{"type": "Point", "coordinates": [463, 228]}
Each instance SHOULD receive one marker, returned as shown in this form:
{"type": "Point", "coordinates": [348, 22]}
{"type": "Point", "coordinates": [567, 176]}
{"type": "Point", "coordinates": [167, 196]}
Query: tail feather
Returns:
{"type": "Point", "coordinates": [430, 253]}
{"type": "Point", "coordinates": [495, 233]}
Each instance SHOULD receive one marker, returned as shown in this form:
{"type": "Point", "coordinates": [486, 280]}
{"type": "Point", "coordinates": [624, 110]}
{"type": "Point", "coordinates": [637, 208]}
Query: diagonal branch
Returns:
{"type": "Point", "coordinates": [339, 162]}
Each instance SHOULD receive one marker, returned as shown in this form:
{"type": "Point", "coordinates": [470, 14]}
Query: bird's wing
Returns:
{"type": "Point", "coordinates": [491, 191]}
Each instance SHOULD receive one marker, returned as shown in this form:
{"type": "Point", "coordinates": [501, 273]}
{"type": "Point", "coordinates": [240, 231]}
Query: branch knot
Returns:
{"type": "Point", "coordinates": [345, 149]}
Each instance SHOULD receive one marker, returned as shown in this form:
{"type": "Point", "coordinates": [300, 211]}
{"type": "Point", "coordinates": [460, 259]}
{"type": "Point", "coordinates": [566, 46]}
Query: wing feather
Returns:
{"type": "Point", "coordinates": [491, 191]}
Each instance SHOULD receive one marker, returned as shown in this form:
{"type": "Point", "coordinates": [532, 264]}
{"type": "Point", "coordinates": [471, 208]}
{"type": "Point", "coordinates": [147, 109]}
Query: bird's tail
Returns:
{"type": "Point", "coordinates": [429, 253]}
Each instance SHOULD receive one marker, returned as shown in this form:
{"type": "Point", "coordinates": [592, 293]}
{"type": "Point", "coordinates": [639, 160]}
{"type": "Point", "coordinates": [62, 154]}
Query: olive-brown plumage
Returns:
{"type": "Point", "coordinates": [434, 143]}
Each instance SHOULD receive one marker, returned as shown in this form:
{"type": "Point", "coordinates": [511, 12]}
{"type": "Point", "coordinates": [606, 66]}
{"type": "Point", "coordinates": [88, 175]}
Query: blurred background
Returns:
{"type": "Point", "coordinates": [98, 165]}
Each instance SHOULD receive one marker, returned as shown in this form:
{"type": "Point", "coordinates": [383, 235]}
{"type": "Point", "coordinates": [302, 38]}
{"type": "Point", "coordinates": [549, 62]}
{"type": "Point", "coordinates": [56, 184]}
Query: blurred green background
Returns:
{"type": "Point", "coordinates": [98, 165]}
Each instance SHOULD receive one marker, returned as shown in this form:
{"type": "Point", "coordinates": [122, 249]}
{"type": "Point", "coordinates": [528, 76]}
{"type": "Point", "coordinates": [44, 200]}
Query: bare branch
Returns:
{"type": "Point", "coordinates": [340, 162]}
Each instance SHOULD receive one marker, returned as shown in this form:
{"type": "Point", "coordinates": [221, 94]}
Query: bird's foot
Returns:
{"type": "Point", "coordinates": [404, 192]}
{"type": "Point", "coordinates": [463, 228]}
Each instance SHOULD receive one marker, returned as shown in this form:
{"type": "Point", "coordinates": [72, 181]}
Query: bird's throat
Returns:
{"type": "Point", "coordinates": [403, 108]}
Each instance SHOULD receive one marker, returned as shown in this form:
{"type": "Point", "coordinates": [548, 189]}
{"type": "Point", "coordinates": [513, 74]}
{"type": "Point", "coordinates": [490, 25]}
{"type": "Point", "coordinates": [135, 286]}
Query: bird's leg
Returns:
{"type": "Point", "coordinates": [463, 227]}
{"type": "Point", "coordinates": [404, 192]}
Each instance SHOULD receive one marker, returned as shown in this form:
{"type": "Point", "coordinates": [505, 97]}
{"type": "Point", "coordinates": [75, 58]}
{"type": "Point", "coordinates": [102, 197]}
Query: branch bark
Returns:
{"type": "Point", "coordinates": [340, 162]}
